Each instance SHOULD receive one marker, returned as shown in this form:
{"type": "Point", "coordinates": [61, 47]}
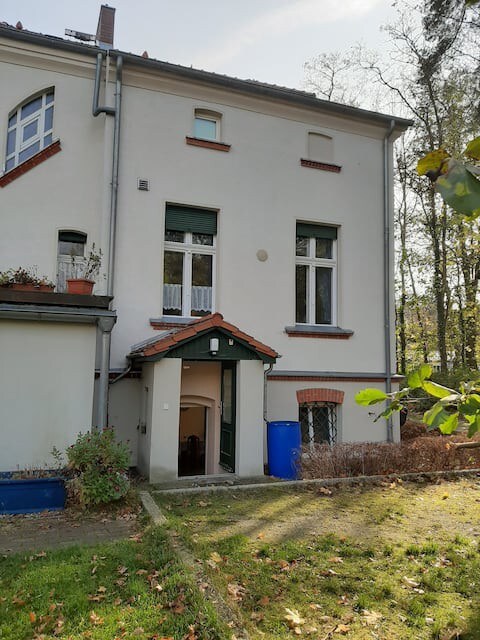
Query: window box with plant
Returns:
{"type": "Point", "coordinates": [84, 284]}
{"type": "Point", "coordinates": [25, 279]}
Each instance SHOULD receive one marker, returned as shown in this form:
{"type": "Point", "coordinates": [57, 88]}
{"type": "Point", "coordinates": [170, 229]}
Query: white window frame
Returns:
{"type": "Point", "coordinates": [311, 262]}
{"type": "Point", "coordinates": [188, 249]}
{"type": "Point", "coordinates": [211, 116]}
{"type": "Point", "coordinates": [20, 125]}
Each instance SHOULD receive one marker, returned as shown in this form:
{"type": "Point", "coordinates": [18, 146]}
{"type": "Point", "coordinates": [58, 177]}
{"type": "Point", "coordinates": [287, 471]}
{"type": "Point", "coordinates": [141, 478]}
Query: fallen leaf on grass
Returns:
{"type": "Point", "coordinates": [215, 557]}
{"type": "Point", "coordinates": [325, 491]}
{"type": "Point", "coordinates": [371, 617]}
{"type": "Point", "coordinates": [293, 618]}
{"type": "Point", "coordinates": [409, 582]}
{"type": "Point", "coordinates": [258, 616]}
{"type": "Point", "coordinates": [177, 606]}
{"type": "Point", "coordinates": [32, 616]}
{"type": "Point", "coordinates": [201, 503]}
{"type": "Point", "coordinates": [336, 559]}
{"type": "Point", "coordinates": [95, 619]}
{"type": "Point", "coordinates": [139, 631]}
{"type": "Point", "coordinates": [342, 628]}
{"type": "Point", "coordinates": [191, 635]}
{"type": "Point", "coordinates": [236, 591]}
{"type": "Point", "coordinates": [141, 572]}
{"type": "Point", "coordinates": [137, 537]}
{"type": "Point", "coordinates": [264, 600]}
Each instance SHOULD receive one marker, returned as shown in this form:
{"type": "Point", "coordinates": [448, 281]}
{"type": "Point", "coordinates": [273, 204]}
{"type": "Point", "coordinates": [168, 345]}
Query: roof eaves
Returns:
{"type": "Point", "coordinates": [261, 89]}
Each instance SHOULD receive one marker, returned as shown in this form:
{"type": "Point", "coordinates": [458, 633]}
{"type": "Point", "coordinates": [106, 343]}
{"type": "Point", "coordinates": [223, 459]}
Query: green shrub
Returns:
{"type": "Point", "coordinates": [99, 466]}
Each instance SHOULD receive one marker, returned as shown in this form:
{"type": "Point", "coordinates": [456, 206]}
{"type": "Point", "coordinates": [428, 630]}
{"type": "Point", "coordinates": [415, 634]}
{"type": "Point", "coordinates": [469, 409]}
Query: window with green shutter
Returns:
{"type": "Point", "coordinates": [189, 261]}
{"type": "Point", "coordinates": [315, 274]}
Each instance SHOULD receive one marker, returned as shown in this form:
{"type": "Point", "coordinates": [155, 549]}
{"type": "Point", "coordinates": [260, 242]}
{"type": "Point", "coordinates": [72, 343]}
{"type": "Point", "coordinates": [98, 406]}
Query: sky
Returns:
{"type": "Point", "coordinates": [266, 40]}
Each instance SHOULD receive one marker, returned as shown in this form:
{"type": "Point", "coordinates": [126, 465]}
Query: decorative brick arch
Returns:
{"type": "Point", "coordinates": [305, 396]}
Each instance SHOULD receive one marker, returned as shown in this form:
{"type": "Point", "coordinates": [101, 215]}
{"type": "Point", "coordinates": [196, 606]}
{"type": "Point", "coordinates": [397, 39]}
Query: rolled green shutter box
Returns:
{"type": "Point", "coordinates": [179, 218]}
{"type": "Point", "coordinates": [316, 231]}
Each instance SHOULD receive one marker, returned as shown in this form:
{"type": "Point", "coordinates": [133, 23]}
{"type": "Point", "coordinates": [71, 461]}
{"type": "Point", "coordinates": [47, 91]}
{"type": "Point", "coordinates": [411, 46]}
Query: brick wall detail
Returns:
{"type": "Point", "coordinates": [307, 396]}
{"type": "Point", "coordinates": [38, 158]}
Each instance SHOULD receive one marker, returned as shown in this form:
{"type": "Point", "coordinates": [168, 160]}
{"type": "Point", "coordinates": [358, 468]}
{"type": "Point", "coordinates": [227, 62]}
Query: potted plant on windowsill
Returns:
{"type": "Point", "coordinates": [84, 285]}
{"type": "Point", "coordinates": [25, 279]}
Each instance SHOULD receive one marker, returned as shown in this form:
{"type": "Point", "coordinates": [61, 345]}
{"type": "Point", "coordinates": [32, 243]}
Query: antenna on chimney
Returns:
{"type": "Point", "coordinates": [104, 35]}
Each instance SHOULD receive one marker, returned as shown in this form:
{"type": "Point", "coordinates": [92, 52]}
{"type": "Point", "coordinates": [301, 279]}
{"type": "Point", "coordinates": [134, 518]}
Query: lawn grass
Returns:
{"type": "Point", "coordinates": [129, 589]}
{"type": "Point", "coordinates": [394, 562]}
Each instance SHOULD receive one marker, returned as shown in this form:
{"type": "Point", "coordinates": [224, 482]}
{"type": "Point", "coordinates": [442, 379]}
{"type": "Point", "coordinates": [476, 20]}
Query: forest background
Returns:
{"type": "Point", "coordinates": [430, 74]}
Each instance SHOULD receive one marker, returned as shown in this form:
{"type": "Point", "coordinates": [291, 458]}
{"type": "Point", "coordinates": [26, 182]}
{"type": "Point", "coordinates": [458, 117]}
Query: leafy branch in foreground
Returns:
{"type": "Point", "coordinates": [455, 180]}
{"type": "Point", "coordinates": [450, 407]}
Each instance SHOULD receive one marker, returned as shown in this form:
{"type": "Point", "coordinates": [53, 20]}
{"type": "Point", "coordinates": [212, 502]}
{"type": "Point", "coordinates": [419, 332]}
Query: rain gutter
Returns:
{"type": "Point", "coordinates": [102, 405]}
{"type": "Point", "coordinates": [387, 236]}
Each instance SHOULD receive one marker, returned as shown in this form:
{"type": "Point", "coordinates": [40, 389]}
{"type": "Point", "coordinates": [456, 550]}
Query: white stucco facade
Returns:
{"type": "Point", "coordinates": [46, 395]}
{"type": "Point", "coordinates": [259, 191]}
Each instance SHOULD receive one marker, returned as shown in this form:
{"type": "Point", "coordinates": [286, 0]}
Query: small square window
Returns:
{"type": "Point", "coordinates": [206, 125]}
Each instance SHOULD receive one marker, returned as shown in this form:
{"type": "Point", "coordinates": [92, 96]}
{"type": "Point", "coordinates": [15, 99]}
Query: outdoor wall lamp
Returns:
{"type": "Point", "coordinates": [214, 345]}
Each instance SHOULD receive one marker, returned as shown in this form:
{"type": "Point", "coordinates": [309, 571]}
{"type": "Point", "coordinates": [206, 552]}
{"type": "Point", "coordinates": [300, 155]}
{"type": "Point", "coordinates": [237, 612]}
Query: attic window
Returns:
{"type": "Point", "coordinates": [206, 125]}
{"type": "Point", "coordinates": [320, 147]}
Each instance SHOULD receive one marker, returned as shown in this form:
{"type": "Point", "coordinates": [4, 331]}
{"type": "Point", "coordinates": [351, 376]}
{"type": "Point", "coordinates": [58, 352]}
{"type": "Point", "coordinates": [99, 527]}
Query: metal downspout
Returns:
{"type": "Point", "coordinates": [387, 270]}
{"type": "Point", "coordinates": [265, 374]}
{"type": "Point", "coordinates": [102, 406]}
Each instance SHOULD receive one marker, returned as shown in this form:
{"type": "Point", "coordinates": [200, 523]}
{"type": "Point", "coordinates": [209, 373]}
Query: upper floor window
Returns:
{"type": "Point", "coordinates": [189, 261]}
{"type": "Point", "coordinates": [70, 257]}
{"type": "Point", "coordinates": [206, 125]}
{"type": "Point", "coordinates": [315, 274]}
{"type": "Point", "coordinates": [30, 128]}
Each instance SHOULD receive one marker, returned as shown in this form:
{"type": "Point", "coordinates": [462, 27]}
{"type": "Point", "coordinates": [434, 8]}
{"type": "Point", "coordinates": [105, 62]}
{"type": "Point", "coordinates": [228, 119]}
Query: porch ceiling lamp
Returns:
{"type": "Point", "coordinates": [214, 345]}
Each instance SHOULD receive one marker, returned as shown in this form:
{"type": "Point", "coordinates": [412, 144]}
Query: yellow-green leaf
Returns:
{"type": "Point", "coordinates": [436, 390]}
{"type": "Point", "coordinates": [473, 149]}
{"type": "Point", "coordinates": [450, 424]}
{"type": "Point", "coordinates": [416, 378]}
{"type": "Point", "coordinates": [366, 397]}
{"type": "Point", "coordinates": [433, 161]}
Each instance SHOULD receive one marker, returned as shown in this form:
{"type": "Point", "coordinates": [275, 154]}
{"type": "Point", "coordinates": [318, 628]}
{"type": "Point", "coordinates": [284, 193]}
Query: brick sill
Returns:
{"type": "Point", "coordinates": [314, 331]}
{"type": "Point", "coordinates": [32, 162]}
{"type": "Point", "coordinates": [323, 166]}
{"type": "Point", "coordinates": [208, 144]}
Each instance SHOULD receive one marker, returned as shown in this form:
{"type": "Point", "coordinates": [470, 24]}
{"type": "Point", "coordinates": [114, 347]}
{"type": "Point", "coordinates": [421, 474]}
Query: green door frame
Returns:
{"type": "Point", "coordinates": [228, 415]}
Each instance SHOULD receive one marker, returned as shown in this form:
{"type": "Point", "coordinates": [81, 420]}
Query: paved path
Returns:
{"type": "Point", "coordinates": [55, 530]}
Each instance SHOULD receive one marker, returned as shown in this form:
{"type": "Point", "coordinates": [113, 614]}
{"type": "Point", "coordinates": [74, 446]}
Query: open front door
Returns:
{"type": "Point", "coordinates": [228, 414]}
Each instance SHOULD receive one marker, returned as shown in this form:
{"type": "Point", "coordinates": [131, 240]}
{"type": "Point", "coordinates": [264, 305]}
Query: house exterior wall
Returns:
{"type": "Point", "coordinates": [46, 383]}
{"type": "Point", "coordinates": [353, 425]}
{"type": "Point", "coordinates": [260, 191]}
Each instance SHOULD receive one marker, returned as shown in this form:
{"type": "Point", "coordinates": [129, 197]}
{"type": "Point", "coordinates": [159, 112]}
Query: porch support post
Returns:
{"type": "Point", "coordinates": [164, 426]}
{"type": "Point", "coordinates": [250, 425]}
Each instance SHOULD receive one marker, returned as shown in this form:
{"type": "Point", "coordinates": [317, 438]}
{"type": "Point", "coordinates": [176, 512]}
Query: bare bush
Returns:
{"type": "Point", "coordinates": [421, 454]}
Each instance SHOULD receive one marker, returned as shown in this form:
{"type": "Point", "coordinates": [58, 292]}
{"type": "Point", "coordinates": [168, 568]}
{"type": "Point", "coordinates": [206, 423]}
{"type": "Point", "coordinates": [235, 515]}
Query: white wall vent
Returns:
{"type": "Point", "coordinates": [143, 184]}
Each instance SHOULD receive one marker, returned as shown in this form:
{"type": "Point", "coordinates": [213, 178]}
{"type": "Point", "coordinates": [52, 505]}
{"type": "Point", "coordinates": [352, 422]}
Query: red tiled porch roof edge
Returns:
{"type": "Point", "coordinates": [320, 395]}
{"type": "Point", "coordinates": [213, 321]}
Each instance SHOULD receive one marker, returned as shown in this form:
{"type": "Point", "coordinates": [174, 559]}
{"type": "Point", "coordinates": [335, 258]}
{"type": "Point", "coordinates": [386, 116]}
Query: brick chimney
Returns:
{"type": "Point", "coordinates": [106, 23]}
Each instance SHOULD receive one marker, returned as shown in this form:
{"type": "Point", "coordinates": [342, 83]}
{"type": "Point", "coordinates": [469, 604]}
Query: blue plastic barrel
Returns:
{"type": "Point", "coordinates": [284, 444]}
